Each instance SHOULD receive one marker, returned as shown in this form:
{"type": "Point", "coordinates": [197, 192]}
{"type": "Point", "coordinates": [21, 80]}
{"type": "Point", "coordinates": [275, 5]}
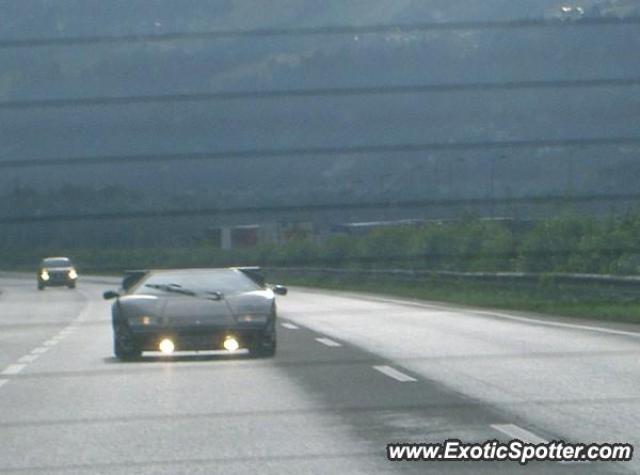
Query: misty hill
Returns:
{"type": "Point", "coordinates": [564, 52]}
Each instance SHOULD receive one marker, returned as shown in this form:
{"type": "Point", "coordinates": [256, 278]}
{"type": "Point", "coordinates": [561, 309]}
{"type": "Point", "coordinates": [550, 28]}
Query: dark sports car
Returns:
{"type": "Point", "coordinates": [194, 309]}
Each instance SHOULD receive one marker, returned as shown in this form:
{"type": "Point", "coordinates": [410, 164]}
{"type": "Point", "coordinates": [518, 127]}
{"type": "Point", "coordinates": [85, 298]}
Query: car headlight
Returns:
{"type": "Point", "coordinates": [144, 320]}
{"type": "Point", "coordinates": [230, 344]}
{"type": "Point", "coordinates": [167, 346]}
{"type": "Point", "coordinates": [44, 274]}
{"type": "Point", "coordinates": [253, 318]}
{"type": "Point", "coordinates": [73, 274]}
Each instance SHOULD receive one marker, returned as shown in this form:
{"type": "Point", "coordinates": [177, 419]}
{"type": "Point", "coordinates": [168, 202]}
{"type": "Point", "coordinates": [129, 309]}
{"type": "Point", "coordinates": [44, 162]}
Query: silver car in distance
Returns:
{"type": "Point", "coordinates": [56, 272]}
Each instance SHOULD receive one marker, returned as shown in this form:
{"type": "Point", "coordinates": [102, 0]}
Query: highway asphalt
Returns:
{"type": "Point", "coordinates": [352, 373]}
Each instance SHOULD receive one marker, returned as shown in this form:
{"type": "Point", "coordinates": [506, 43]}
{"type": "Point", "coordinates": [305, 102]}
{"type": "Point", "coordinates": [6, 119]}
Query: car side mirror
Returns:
{"type": "Point", "coordinates": [280, 290]}
{"type": "Point", "coordinates": [110, 294]}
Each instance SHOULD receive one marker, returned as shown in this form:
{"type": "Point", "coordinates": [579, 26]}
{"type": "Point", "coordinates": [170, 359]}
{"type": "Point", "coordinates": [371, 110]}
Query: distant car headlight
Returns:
{"type": "Point", "coordinates": [73, 274]}
{"type": "Point", "coordinates": [44, 274]}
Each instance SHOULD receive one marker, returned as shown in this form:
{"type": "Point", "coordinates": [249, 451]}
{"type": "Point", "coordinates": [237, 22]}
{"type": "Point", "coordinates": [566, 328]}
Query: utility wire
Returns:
{"type": "Point", "coordinates": [317, 92]}
{"type": "Point", "coordinates": [364, 151]}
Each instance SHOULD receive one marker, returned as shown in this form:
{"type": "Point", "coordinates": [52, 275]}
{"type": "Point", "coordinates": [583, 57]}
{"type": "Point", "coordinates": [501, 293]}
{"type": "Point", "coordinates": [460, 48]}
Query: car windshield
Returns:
{"type": "Point", "coordinates": [186, 282]}
{"type": "Point", "coordinates": [57, 262]}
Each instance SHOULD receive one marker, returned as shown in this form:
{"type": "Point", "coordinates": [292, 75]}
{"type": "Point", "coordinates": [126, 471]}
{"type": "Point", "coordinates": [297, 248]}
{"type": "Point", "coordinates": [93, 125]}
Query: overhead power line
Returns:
{"type": "Point", "coordinates": [314, 31]}
{"type": "Point", "coordinates": [218, 212]}
{"type": "Point", "coordinates": [364, 151]}
{"type": "Point", "coordinates": [317, 92]}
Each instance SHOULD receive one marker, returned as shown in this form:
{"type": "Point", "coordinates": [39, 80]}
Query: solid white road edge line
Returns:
{"type": "Point", "coordinates": [573, 326]}
{"type": "Point", "coordinates": [506, 316]}
{"type": "Point", "coordinates": [3, 381]}
{"type": "Point", "coordinates": [39, 350]}
{"type": "Point", "coordinates": [290, 326]}
{"type": "Point", "coordinates": [395, 374]}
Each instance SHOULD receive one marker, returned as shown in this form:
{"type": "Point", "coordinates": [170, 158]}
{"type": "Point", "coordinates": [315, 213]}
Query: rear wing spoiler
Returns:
{"type": "Point", "coordinates": [132, 277]}
{"type": "Point", "coordinates": [255, 274]}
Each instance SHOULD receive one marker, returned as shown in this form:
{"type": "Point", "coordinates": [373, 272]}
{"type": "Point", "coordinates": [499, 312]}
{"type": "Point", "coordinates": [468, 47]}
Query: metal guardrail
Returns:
{"type": "Point", "coordinates": [497, 277]}
{"type": "Point", "coordinates": [626, 282]}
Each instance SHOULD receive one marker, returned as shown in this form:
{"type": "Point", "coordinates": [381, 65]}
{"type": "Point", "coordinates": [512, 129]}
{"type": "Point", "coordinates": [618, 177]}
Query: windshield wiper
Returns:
{"type": "Point", "coordinates": [214, 295]}
{"type": "Point", "coordinates": [176, 288]}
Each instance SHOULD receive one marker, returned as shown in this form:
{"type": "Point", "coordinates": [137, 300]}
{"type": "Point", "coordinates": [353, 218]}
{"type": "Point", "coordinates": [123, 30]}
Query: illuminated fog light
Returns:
{"type": "Point", "coordinates": [44, 275]}
{"type": "Point", "coordinates": [231, 344]}
{"type": "Point", "coordinates": [73, 274]}
{"type": "Point", "coordinates": [166, 346]}
{"type": "Point", "coordinates": [147, 321]}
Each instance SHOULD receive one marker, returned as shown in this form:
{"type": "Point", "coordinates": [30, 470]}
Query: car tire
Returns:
{"type": "Point", "coordinates": [40, 287]}
{"type": "Point", "coordinates": [268, 351]}
{"type": "Point", "coordinates": [265, 346]}
{"type": "Point", "coordinates": [71, 286]}
{"type": "Point", "coordinates": [124, 346]}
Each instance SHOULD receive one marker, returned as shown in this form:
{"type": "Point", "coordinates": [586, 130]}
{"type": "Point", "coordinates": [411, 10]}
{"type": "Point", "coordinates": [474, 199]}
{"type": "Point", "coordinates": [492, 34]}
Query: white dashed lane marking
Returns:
{"type": "Point", "coordinates": [290, 326]}
{"type": "Point", "coordinates": [395, 374]}
{"type": "Point", "coordinates": [34, 354]}
{"type": "Point", "coordinates": [28, 358]}
{"type": "Point", "coordinates": [13, 369]}
{"type": "Point", "coordinates": [516, 432]}
{"type": "Point", "coordinates": [328, 342]}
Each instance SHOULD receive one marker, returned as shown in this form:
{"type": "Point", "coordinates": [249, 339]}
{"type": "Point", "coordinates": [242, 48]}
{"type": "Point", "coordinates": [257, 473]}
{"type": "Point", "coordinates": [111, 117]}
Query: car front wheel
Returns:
{"type": "Point", "coordinates": [265, 345]}
{"type": "Point", "coordinates": [124, 345]}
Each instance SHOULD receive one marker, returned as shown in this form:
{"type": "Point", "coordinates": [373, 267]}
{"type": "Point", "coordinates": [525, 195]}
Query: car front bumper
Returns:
{"type": "Point", "coordinates": [193, 339]}
{"type": "Point", "coordinates": [56, 281]}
